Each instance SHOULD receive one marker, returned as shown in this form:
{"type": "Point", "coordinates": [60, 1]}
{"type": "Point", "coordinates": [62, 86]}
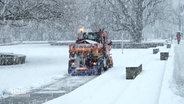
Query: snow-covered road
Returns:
{"type": "Point", "coordinates": [113, 88]}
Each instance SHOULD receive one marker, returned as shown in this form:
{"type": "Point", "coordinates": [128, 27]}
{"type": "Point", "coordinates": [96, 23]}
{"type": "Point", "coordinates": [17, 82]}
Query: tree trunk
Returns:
{"type": "Point", "coordinates": [138, 24]}
{"type": "Point", "coordinates": [137, 37]}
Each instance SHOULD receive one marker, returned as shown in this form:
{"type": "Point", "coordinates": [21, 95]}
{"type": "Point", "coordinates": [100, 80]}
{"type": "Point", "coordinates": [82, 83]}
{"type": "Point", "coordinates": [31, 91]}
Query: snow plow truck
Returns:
{"type": "Point", "coordinates": [90, 54]}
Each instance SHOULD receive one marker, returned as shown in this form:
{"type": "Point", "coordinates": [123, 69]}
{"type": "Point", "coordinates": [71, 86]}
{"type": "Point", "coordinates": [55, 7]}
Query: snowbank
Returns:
{"type": "Point", "coordinates": [168, 91]}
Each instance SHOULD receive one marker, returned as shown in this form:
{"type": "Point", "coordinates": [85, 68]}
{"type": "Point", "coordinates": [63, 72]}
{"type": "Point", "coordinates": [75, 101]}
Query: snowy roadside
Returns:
{"type": "Point", "coordinates": [168, 90]}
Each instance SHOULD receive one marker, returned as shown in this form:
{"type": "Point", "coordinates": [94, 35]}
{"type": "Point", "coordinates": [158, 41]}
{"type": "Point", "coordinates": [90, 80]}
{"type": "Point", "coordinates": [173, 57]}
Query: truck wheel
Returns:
{"type": "Point", "coordinates": [105, 64]}
{"type": "Point", "coordinates": [69, 71]}
{"type": "Point", "coordinates": [105, 68]}
{"type": "Point", "coordinates": [99, 71]}
{"type": "Point", "coordinates": [100, 68]}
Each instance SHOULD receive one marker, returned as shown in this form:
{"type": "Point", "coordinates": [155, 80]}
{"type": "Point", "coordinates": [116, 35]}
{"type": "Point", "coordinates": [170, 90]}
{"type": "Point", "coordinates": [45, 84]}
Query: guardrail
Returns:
{"type": "Point", "coordinates": [116, 44]}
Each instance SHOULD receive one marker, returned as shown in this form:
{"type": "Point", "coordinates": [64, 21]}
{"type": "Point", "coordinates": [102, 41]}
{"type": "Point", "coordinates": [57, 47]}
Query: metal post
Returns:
{"type": "Point", "coordinates": [122, 44]}
{"type": "Point", "coordinates": [180, 15]}
{"type": "Point", "coordinates": [179, 22]}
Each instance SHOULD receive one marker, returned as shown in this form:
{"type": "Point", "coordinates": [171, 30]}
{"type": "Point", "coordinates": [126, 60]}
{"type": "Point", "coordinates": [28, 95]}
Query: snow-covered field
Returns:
{"type": "Point", "coordinates": [45, 63]}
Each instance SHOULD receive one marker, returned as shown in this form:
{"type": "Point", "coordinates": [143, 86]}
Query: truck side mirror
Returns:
{"type": "Point", "coordinates": [110, 43]}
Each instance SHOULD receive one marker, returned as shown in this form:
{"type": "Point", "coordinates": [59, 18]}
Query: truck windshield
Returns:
{"type": "Point", "coordinates": [90, 36]}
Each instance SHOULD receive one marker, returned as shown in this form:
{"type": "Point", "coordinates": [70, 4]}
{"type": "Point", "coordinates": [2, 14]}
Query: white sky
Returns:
{"type": "Point", "coordinates": [175, 3]}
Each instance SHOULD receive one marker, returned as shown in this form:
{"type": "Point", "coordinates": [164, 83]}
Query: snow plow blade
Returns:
{"type": "Point", "coordinates": [83, 72]}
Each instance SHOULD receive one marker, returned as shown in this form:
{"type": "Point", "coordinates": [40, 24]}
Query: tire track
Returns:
{"type": "Point", "coordinates": [48, 92]}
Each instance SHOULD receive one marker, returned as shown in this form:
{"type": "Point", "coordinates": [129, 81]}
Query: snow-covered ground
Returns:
{"type": "Point", "coordinates": [45, 63]}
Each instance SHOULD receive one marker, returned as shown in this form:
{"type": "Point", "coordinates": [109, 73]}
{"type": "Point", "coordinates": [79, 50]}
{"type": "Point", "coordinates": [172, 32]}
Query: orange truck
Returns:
{"type": "Point", "coordinates": [90, 55]}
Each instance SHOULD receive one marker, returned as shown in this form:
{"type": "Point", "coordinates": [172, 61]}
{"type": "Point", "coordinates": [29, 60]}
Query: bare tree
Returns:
{"type": "Point", "coordinates": [59, 14]}
{"type": "Point", "coordinates": [133, 15]}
